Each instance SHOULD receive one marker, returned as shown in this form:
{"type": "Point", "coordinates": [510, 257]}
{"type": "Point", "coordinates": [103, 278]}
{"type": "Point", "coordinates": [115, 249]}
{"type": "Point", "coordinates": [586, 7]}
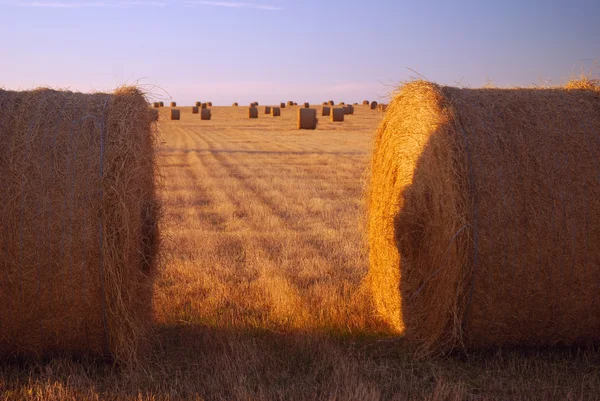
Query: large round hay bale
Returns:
{"type": "Point", "coordinates": [173, 104]}
{"type": "Point", "coordinates": [194, 110]}
{"type": "Point", "coordinates": [175, 114]}
{"type": "Point", "coordinates": [267, 109]}
{"type": "Point", "coordinates": [307, 118]}
{"type": "Point", "coordinates": [203, 106]}
{"type": "Point", "coordinates": [326, 111]}
{"type": "Point", "coordinates": [373, 105]}
{"type": "Point", "coordinates": [306, 105]}
{"type": "Point", "coordinates": [78, 216]}
{"type": "Point", "coordinates": [198, 104]}
{"type": "Point", "coordinates": [337, 114]}
{"type": "Point", "coordinates": [252, 112]}
{"type": "Point", "coordinates": [483, 220]}
{"type": "Point", "coordinates": [276, 112]}
{"type": "Point", "coordinates": [205, 114]}
{"type": "Point", "coordinates": [348, 110]}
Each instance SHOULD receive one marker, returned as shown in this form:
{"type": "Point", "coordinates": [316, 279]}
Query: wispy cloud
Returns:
{"type": "Point", "coordinates": [233, 4]}
{"type": "Point", "coordinates": [75, 4]}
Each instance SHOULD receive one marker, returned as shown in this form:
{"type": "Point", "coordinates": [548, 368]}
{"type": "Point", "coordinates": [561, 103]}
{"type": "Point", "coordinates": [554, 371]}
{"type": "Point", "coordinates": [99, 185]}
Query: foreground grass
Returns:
{"type": "Point", "coordinates": [262, 296]}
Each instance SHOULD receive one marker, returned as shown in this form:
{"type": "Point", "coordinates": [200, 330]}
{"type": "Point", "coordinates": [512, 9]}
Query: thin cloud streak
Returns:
{"type": "Point", "coordinates": [71, 5]}
{"type": "Point", "coordinates": [231, 4]}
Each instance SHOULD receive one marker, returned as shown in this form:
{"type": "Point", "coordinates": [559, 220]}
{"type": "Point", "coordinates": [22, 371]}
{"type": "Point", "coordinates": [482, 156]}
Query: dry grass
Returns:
{"type": "Point", "coordinates": [262, 299]}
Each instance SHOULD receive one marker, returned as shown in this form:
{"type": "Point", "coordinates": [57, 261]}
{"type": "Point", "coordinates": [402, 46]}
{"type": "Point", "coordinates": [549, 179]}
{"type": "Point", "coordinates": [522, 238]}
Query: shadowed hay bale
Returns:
{"type": "Point", "coordinates": [373, 105]}
{"type": "Point", "coordinates": [173, 104]}
{"type": "Point", "coordinates": [203, 106]}
{"type": "Point", "coordinates": [175, 114]}
{"type": "Point", "coordinates": [205, 114]}
{"type": "Point", "coordinates": [342, 104]}
{"type": "Point", "coordinates": [365, 102]}
{"type": "Point", "coordinates": [306, 105]}
{"type": "Point", "coordinates": [331, 103]}
{"type": "Point", "coordinates": [276, 112]}
{"type": "Point", "coordinates": [253, 112]}
{"type": "Point", "coordinates": [282, 105]}
{"type": "Point", "coordinates": [198, 104]}
{"type": "Point", "coordinates": [154, 114]}
{"type": "Point", "coordinates": [156, 105]}
{"type": "Point", "coordinates": [267, 110]}
{"type": "Point", "coordinates": [307, 118]}
{"type": "Point", "coordinates": [79, 217]}
{"type": "Point", "coordinates": [290, 103]}
{"type": "Point", "coordinates": [295, 104]}
{"type": "Point", "coordinates": [194, 110]}
{"type": "Point", "coordinates": [326, 111]}
{"type": "Point", "coordinates": [337, 114]}
{"type": "Point", "coordinates": [161, 104]}
{"type": "Point", "coordinates": [235, 104]}
{"type": "Point", "coordinates": [348, 110]}
{"type": "Point", "coordinates": [209, 104]}
{"type": "Point", "coordinates": [484, 216]}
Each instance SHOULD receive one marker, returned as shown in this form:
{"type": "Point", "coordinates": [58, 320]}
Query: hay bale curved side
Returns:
{"type": "Point", "coordinates": [80, 223]}
{"type": "Point", "coordinates": [307, 118]}
{"type": "Point", "coordinates": [276, 112]}
{"type": "Point", "coordinates": [206, 114]}
{"type": "Point", "coordinates": [467, 244]}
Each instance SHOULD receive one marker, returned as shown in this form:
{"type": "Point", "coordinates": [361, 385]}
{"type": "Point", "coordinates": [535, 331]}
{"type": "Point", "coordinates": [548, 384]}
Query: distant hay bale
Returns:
{"type": "Point", "coordinates": [198, 104]}
{"type": "Point", "coordinates": [154, 114]}
{"type": "Point", "coordinates": [79, 221]}
{"type": "Point", "coordinates": [348, 110]}
{"type": "Point", "coordinates": [209, 104]}
{"type": "Point", "coordinates": [156, 105]}
{"type": "Point", "coordinates": [355, 104]}
{"type": "Point", "coordinates": [373, 105]}
{"type": "Point", "coordinates": [326, 111]}
{"type": "Point", "coordinates": [173, 104]}
{"type": "Point", "coordinates": [235, 104]}
{"type": "Point", "coordinates": [295, 104]}
{"type": "Point", "coordinates": [282, 105]}
{"type": "Point", "coordinates": [175, 114]}
{"type": "Point", "coordinates": [206, 114]}
{"type": "Point", "coordinates": [290, 103]}
{"type": "Point", "coordinates": [331, 103]}
{"type": "Point", "coordinates": [307, 118]}
{"type": "Point", "coordinates": [365, 102]}
{"type": "Point", "coordinates": [306, 105]}
{"type": "Point", "coordinates": [276, 111]}
{"type": "Point", "coordinates": [484, 217]}
{"type": "Point", "coordinates": [267, 110]}
{"type": "Point", "coordinates": [203, 105]}
{"type": "Point", "coordinates": [337, 114]}
{"type": "Point", "coordinates": [253, 112]}
{"type": "Point", "coordinates": [194, 110]}
{"type": "Point", "coordinates": [342, 104]}
{"type": "Point", "coordinates": [161, 104]}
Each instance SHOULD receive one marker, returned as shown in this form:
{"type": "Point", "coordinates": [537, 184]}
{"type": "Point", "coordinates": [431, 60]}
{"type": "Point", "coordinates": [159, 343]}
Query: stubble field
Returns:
{"type": "Point", "coordinates": [262, 295]}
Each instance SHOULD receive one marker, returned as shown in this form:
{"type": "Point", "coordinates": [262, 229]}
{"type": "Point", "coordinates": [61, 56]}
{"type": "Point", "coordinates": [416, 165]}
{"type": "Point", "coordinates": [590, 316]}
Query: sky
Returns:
{"type": "Point", "coordinates": [302, 50]}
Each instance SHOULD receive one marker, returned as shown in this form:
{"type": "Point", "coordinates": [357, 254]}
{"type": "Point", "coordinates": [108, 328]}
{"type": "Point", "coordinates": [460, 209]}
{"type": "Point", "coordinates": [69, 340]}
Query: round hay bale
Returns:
{"type": "Point", "coordinates": [195, 110]}
{"type": "Point", "coordinates": [161, 104]}
{"type": "Point", "coordinates": [276, 111]}
{"type": "Point", "coordinates": [348, 110]}
{"type": "Point", "coordinates": [79, 224]}
{"type": "Point", "coordinates": [203, 106]}
{"type": "Point", "coordinates": [365, 102]}
{"type": "Point", "coordinates": [267, 109]}
{"type": "Point", "coordinates": [252, 112]}
{"type": "Point", "coordinates": [337, 114]}
{"type": "Point", "coordinates": [290, 103]}
{"type": "Point", "coordinates": [342, 104]}
{"type": "Point", "coordinates": [209, 104]}
{"type": "Point", "coordinates": [326, 112]}
{"type": "Point", "coordinates": [282, 105]}
{"type": "Point", "coordinates": [173, 104]}
{"type": "Point", "coordinates": [331, 103]}
{"type": "Point", "coordinates": [483, 217]}
{"type": "Point", "coordinates": [307, 118]}
{"type": "Point", "coordinates": [295, 104]}
{"type": "Point", "coordinates": [154, 114]}
{"type": "Point", "coordinates": [198, 104]}
{"type": "Point", "coordinates": [205, 114]}
{"type": "Point", "coordinates": [306, 105]}
{"type": "Point", "coordinates": [235, 104]}
{"type": "Point", "coordinates": [156, 105]}
{"type": "Point", "coordinates": [175, 114]}
{"type": "Point", "coordinates": [373, 105]}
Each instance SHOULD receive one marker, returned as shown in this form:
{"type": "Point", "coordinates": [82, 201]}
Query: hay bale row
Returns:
{"type": "Point", "coordinates": [79, 224]}
{"type": "Point", "coordinates": [326, 111]}
{"type": "Point", "coordinates": [484, 220]}
{"type": "Point", "coordinates": [337, 114]}
{"type": "Point", "coordinates": [252, 112]}
{"type": "Point", "coordinates": [175, 114]}
{"type": "Point", "coordinates": [276, 111]}
{"type": "Point", "coordinates": [307, 118]}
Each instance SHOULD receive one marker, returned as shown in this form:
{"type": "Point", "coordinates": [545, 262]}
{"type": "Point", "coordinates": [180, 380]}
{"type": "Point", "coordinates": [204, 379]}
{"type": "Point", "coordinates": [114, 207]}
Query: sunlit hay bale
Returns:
{"type": "Point", "coordinates": [155, 105]}
{"type": "Point", "coordinates": [175, 114]}
{"type": "Point", "coordinates": [205, 114]}
{"type": "Point", "coordinates": [203, 106]}
{"type": "Point", "coordinates": [194, 110]}
{"type": "Point", "coordinates": [235, 104]}
{"type": "Point", "coordinates": [276, 111]}
{"type": "Point", "coordinates": [326, 111]}
{"type": "Point", "coordinates": [484, 216]}
{"type": "Point", "coordinates": [348, 110]}
{"type": "Point", "coordinates": [337, 114]}
{"type": "Point", "coordinates": [209, 104]}
{"type": "Point", "coordinates": [253, 112]}
{"type": "Point", "coordinates": [290, 103]}
{"type": "Point", "coordinates": [373, 105]}
{"type": "Point", "coordinates": [161, 104]}
{"type": "Point", "coordinates": [306, 105]}
{"type": "Point", "coordinates": [267, 109]}
{"type": "Point", "coordinates": [154, 114]}
{"type": "Point", "coordinates": [198, 104]}
{"type": "Point", "coordinates": [173, 104]}
{"type": "Point", "coordinates": [282, 105]}
{"type": "Point", "coordinates": [307, 118]}
{"type": "Point", "coordinates": [365, 103]}
{"type": "Point", "coordinates": [79, 221]}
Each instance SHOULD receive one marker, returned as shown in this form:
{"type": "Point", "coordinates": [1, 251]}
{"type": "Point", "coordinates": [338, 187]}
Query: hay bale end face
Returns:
{"type": "Point", "coordinates": [326, 111]}
{"type": "Point", "coordinates": [175, 114]}
{"type": "Point", "coordinates": [307, 118]}
{"type": "Point", "coordinates": [195, 110]}
{"type": "Point", "coordinates": [205, 114]}
{"type": "Point", "coordinates": [290, 103]}
{"type": "Point", "coordinates": [173, 104]}
{"type": "Point", "coordinates": [235, 104]}
{"type": "Point", "coordinates": [267, 109]}
{"type": "Point", "coordinates": [156, 105]}
{"type": "Point", "coordinates": [276, 111]}
{"type": "Point", "coordinates": [467, 244]}
{"type": "Point", "coordinates": [161, 104]}
{"type": "Point", "coordinates": [252, 112]}
{"type": "Point", "coordinates": [337, 114]}
{"type": "Point", "coordinates": [79, 224]}
{"type": "Point", "coordinates": [373, 105]}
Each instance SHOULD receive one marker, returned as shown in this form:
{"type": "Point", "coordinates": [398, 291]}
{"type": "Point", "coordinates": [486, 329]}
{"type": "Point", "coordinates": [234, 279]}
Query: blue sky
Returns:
{"type": "Point", "coordinates": [302, 50]}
